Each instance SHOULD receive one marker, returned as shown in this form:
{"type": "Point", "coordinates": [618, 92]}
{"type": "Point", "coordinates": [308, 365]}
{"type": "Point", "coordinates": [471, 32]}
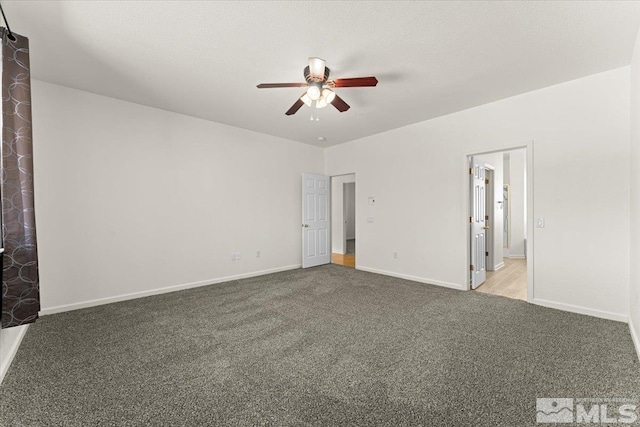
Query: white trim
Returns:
{"type": "Point", "coordinates": [412, 278]}
{"type": "Point", "coordinates": [582, 310]}
{"type": "Point", "coordinates": [490, 194]}
{"type": "Point", "coordinates": [134, 295]}
{"type": "Point", "coordinates": [498, 266]}
{"type": "Point", "coordinates": [517, 257]}
{"type": "Point", "coordinates": [634, 335]}
{"type": "Point", "coordinates": [4, 367]}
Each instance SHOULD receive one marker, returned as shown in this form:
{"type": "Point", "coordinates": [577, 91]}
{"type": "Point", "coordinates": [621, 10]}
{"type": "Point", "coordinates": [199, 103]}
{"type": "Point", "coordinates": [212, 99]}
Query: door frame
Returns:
{"type": "Point", "coordinates": [344, 228]}
{"type": "Point", "coordinates": [345, 237]}
{"type": "Point", "coordinates": [344, 216]}
{"type": "Point", "coordinates": [466, 154]}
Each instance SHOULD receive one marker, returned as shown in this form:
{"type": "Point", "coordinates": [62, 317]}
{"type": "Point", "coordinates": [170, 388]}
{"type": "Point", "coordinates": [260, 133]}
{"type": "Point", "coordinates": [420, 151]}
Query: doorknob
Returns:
{"type": "Point", "coordinates": [305, 225]}
{"type": "Point", "coordinates": [486, 227]}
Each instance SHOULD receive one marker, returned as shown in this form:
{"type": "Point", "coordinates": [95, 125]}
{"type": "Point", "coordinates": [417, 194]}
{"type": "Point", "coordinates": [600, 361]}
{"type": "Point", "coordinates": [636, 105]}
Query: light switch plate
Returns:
{"type": "Point", "coordinates": [540, 223]}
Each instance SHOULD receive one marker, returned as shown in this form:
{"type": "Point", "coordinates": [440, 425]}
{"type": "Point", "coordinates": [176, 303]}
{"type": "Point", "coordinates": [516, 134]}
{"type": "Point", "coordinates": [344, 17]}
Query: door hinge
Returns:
{"type": "Point", "coordinates": [486, 217]}
{"type": "Point", "coordinates": [470, 171]}
{"type": "Point", "coordinates": [486, 181]}
{"type": "Point", "coordinates": [486, 253]}
{"type": "Point", "coordinates": [471, 267]}
{"type": "Point", "coordinates": [471, 219]}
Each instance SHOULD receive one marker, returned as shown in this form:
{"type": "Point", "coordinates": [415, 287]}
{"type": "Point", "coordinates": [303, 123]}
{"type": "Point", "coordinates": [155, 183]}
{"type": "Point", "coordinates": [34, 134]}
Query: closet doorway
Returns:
{"type": "Point", "coordinates": [343, 220]}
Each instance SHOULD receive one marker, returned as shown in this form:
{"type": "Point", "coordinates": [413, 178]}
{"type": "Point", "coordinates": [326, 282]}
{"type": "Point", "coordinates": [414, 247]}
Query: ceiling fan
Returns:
{"type": "Point", "coordinates": [320, 89]}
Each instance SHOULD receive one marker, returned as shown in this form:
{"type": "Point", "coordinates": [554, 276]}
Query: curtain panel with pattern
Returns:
{"type": "Point", "coordinates": [20, 285]}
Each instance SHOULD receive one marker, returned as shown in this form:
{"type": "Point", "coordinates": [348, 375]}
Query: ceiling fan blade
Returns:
{"type": "Point", "coordinates": [275, 85]}
{"type": "Point", "coordinates": [340, 104]}
{"type": "Point", "coordinates": [295, 107]}
{"type": "Point", "coordinates": [356, 82]}
{"type": "Point", "coordinates": [316, 68]}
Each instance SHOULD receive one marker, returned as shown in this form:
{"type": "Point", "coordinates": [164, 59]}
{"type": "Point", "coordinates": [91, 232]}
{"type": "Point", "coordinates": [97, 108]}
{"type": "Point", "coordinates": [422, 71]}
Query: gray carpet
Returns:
{"type": "Point", "coordinates": [351, 247]}
{"type": "Point", "coordinates": [325, 346]}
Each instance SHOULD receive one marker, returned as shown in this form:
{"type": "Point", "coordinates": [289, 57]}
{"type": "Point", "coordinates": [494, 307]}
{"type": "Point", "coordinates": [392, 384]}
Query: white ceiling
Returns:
{"type": "Point", "coordinates": [204, 59]}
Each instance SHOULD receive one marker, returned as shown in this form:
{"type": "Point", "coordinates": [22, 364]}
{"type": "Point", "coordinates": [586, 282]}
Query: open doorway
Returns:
{"type": "Point", "coordinates": [499, 223]}
{"type": "Point", "coordinates": [343, 220]}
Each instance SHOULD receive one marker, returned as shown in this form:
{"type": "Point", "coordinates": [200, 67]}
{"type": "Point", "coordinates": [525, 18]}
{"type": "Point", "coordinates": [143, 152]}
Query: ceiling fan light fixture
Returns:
{"type": "Point", "coordinates": [305, 98]}
{"type": "Point", "coordinates": [321, 103]}
{"type": "Point", "coordinates": [328, 95]}
{"type": "Point", "coordinates": [314, 92]}
{"type": "Point", "coordinates": [316, 67]}
{"type": "Point", "coordinates": [319, 89]}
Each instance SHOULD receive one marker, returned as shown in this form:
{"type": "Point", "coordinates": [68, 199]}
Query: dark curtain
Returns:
{"type": "Point", "coordinates": [20, 289]}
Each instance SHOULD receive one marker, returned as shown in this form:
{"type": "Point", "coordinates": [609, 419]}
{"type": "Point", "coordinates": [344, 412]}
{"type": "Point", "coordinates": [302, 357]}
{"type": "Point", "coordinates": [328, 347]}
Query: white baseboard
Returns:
{"type": "Point", "coordinates": [517, 257]}
{"type": "Point", "coordinates": [141, 294]}
{"type": "Point", "coordinates": [412, 278]}
{"type": "Point", "coordinates": [4, 366]}
{"type": "Point", "coordinates": [635, 335]}
{"type": "Point", "coordinates": [582, 310]}
{"type": "Point", "coordinates": [498, 266]}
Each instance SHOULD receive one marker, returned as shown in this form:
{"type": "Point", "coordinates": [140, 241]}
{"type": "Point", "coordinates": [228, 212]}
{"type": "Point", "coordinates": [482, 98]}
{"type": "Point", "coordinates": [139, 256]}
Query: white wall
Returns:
{"type": "Point", "coordinates": [338, 230]}
{"type": "Point", "coordinates": [496, 161]}
{"type": "Point", "coordinates": [131, 199]}
{"type": "Point", "coordinates": [580, 131]}
{"type": "Point", "coordinates": [350, 204]}
{"type": "Point", "coordinates": [634, 295]}
{"type": "Point", "coordinates": [517, 170]}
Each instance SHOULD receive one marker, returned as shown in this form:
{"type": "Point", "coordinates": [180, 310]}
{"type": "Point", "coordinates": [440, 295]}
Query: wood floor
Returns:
{"type": "Point", "coordinates": [510, 281]}
{"type": "Point", "coordinates": [347, 260]}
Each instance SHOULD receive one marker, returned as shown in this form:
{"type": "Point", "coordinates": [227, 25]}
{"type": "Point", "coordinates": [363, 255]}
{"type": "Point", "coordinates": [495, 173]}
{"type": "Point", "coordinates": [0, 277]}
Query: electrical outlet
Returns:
{"type": "Point", "coordinates": [258, 254]}
{"type": "Point", "coordinates": [238, 257]}
{"type": "Point", "coordinates": [233, 256]}
{"type": "Point", "coordinates": [395, 255]}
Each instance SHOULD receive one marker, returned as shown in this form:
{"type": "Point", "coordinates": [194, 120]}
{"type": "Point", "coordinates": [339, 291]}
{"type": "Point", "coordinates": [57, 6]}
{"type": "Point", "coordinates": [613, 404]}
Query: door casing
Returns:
{"type": "Point", "coordinates": [491, 212]}
{"type": "Point", "coordinates": [467, 153]}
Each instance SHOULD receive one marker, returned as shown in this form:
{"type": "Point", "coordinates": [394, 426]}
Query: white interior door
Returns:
{"type": "Point", "coordinates": [479, 226]}
{"type": "Point", "coordinates": [316, 224]}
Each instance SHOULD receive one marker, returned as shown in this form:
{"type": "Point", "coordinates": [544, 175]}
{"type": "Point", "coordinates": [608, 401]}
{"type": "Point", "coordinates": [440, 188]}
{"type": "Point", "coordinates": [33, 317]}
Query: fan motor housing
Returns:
{"type": "Point", "coordinates": [312, 79]}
